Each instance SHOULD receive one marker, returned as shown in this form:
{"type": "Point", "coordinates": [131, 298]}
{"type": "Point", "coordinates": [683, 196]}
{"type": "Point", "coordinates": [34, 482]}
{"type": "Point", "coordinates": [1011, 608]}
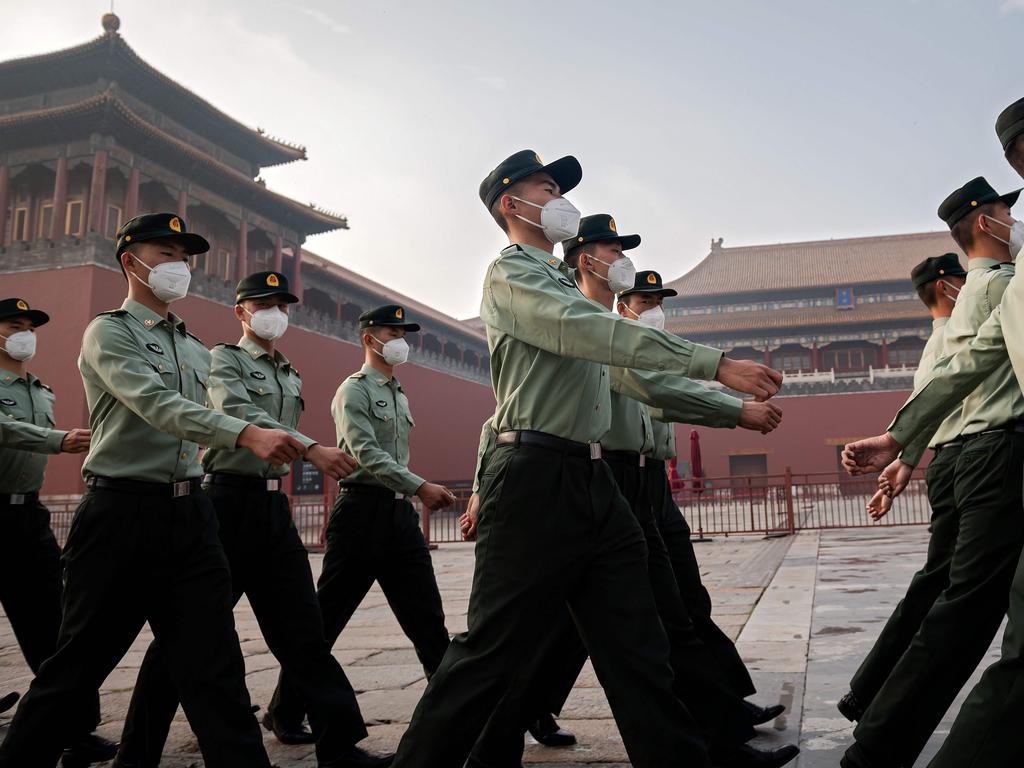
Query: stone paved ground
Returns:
{"type": "Point", "coordinates": [805, 610]}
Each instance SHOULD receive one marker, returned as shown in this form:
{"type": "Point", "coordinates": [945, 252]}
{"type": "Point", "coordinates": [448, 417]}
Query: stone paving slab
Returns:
{"type": "Point", "coordinates": [804, 609]}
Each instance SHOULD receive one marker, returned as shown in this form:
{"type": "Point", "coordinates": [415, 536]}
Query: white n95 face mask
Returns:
{"type": "Point", "coordinates": [621, 274]}
{"type": "Point", "coordinates": [654, 317]}
{"type": "Point", "coordinates": [559, 219]}
{"type": "Point", "coordinates": [1016, 241]}
{"type": "Point", "coordinates": [268, 324]}
{"type": "Point", "coordinates": [169, 281]}
{"type": "Point", "coordinates": [20, 346]}
{"type": "Point", "coordinates": [394, 352]}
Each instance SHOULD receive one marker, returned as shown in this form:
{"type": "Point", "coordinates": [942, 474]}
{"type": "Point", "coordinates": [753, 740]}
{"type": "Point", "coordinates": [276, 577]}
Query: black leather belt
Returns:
{"type": "Point", "coordinates": [144, 488]}
{"type": "Point", "coordinates": [955, 443]}
{"type": "Point", "coordinates": [632, 458]}
{"type": "Point", "coordinates": [368, 490]}
{"type": "Point", "coordinates": [1013, 426]}
{"type": "Point", "coordinates": [244, 482]}
{"type": "Point", "coordinates": [19, 499]}
{"type": "Point", "coordinates": [519, 437]}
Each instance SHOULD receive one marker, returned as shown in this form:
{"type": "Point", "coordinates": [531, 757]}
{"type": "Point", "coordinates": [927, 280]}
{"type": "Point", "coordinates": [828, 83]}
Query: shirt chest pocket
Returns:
{"type": "Point", "coordinates": [199, 381]}
{"type": "Point", "coordinates": [292, 404]}
{"type": "Point", "coordinates": [383, 416]}
{"type": "Point", "coordinates": [43, 407]}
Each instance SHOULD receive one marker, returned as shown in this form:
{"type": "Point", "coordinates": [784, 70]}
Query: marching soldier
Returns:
{"type": "Point", "coordinates": [987, 492]}
{"type": "Point", "coordinates": [553, 528]}
{"type": "Point", "coordinates": [643, 302]}
{"type": "Point", "coordinates": [374, 533]}
{"type": "Point", "coordinates": [601, 270]}
{"type": "Point", "coordinates": [30, 574]}
{"type": "Point", "coordinates": [938, 280]}
{"type": "Point", "coordinates": [985, 733]}
{"type": "Point", "coordinates": [143, 545]}
{"type": "Point", "coordinates": [254, 382]}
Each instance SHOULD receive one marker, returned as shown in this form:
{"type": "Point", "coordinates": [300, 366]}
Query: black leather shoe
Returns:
{"type": "Point", "coordinates": [746, 756]}
{"type": "Point", "coordinates": [850, 708]}
{"type": "Point", "coordinates": [9, 700]}
{"type": "Point", "coordinates": [354, 757]}
{"type": "Point", "coordinates": [761, 715]}
{"type": "Point", "coordinates": [546, 731]}
{"type": "Point", "coordinates": [88, 750]}
{"type": "Point", "coordinates": [288, 734]}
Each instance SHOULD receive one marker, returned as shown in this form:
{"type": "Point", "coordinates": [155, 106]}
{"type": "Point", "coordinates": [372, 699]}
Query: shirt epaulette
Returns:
{"type": "Point", "coordinates": [189, 333]}
{"type": "Point", "coordinates": [225, 345]}
{"type": "Point", "coordinates": [358, 375]}
{"type": "Point", "coordinates": [113, 313]}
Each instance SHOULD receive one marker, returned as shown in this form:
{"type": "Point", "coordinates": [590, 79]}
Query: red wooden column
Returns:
{"type": "Point", "coordinates": [296, 277]}
{"type": "Point", "coordinates": [131, 195]}
{"type": "Point", "coordinates": [97, 192]}
{"type": "Point", "coordinates": [767, 356]}
{"type": "Point", "coordinates": [278, 244]}
{"type": "Point", "coordinates": [5, 194]}
{"type": "Point", "coordinates": [182, 203]}
{"type": "Point", "coordinates": [242, 257]}
{"type": "Point", "coordinates": [60, 200]}
{"type": "Point", "coordinates": [885, 354]}
{"type": "Point", "coordinates": [816, 356]}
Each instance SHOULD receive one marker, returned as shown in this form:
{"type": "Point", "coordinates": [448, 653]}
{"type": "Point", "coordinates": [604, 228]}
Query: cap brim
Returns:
{"type": "Point", "coordinates": [665, 292]}
{"type": "Point", "coordinates": [35, 316]}
{"type": "Point", "coordinates": [629, 242]}
{"type": "Point", "coordinates": [192, 243]}
{"type": "Point", "coordinates": [409, 327]}
{"type": "Point", "coordinates": [290, 298]}
{"type": "Point", "coordinates": [1010, 198]}
{"type": "Point", "coordinates": [566, 171]}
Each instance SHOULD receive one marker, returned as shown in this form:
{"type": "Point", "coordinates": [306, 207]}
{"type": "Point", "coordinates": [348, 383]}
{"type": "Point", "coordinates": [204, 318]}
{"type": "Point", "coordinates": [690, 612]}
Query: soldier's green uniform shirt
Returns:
{"type": "Point", "coordinates": [995, 401]}
{"type": "Point", "coordinates": [146, 382]}
{"type": "Point", "coordinates": [26, 405]}
{"type": "Point", "coordinates": [373, 421]}
{"type": "Point", "coordinates": [248, 383]}
{"type": "Point", "coordinates": [664, 447]}
{"type": "Point", "coordinates": [934, 350]}
{"type": "Point", "coordinates": [551, 347]}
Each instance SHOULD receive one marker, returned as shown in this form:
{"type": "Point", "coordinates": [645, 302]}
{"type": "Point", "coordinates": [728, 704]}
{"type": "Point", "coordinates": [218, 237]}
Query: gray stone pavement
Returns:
{"type": "Point", "coordinates": [805, 610]}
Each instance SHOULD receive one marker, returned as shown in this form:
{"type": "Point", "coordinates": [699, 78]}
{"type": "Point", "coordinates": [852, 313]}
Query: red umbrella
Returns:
{"type": "Point", "coordinates": [696, 467]}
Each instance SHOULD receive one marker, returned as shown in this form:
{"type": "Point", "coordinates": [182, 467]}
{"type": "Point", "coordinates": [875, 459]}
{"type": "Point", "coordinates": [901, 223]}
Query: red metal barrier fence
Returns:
{"type": "Point", "coordinates": [722, 506]}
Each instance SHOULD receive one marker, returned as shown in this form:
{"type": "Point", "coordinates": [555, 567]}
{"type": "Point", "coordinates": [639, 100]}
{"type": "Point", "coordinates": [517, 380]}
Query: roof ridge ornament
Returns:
{"type": "Point", "coordinates": [111, 22]}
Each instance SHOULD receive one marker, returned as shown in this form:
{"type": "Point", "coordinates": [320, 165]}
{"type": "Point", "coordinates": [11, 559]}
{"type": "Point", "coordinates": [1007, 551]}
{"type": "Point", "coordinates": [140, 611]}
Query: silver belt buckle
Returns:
{"type": "Point", "coordinates": [399, 495]}
{"type": "Point", "coordinates": [643, 461]}
{"type": "Point", "coordinates": [274, 484]}
{"type": "Point", "coordinates": [17, 499]}
{"type": "Point", "coordinates": [184, 488]}
{"type": "Point", "coordinates": [595, 451]}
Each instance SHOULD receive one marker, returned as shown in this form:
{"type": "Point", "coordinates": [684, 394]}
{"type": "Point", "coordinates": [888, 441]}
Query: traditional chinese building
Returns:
{"type": "Point", "coordinates": [839, 317]}
{"type": "Point", "coordinates": [93, 135]}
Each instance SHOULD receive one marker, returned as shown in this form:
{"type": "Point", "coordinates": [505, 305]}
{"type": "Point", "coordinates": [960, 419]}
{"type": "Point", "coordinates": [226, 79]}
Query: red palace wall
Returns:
{"type": "Point", "coordinates": [812, 426]}
{"type": "Point", "coordinates": [448, 410]}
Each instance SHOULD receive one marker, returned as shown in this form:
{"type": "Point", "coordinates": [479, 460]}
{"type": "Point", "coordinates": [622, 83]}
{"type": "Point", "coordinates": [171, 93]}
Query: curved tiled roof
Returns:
{"type": "Point", "coordinates": [802, 317]}
{"type": "Point", "coordinates": [107, 106]}
{"type": "Point", "coordinates": [110, 58]}
{"type": "Point", "coordinates": [814, 264]}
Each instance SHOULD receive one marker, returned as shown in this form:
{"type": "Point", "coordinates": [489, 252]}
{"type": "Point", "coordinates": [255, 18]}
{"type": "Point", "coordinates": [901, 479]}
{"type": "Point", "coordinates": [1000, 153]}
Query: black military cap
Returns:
{"type": "Point", "coordinates": [1010, 123]}
{"type": "Point", "coordinates": [972, 194]}
{"type": "Point", "coordinates": [934, 267]}
{"type": "Point", "coordinates": [260, 285]}
{"type": "Point", "coordinates": [390, 316]}
{"type": "Point", "coordinates": [19, 308]}
{"type": "Point", "coordinates": [159, 226]}
{"type": "Point", "coordinates": [649, 281]}
{"type": "Point", "coordinates": [598, 228]}
{"type": "Point", "coordinates": [566, 172]}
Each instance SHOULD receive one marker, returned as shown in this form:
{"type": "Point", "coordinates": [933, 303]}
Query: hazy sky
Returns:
{"type": "Point", "coordinates": [757, 121]}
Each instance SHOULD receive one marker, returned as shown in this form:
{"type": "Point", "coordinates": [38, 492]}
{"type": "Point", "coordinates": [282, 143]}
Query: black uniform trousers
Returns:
{"type": "Point", "coordinates": [270, 565]}
{"type": "Point", "coordinates": [959, 627]}
{"type": "Point", "coordinates": [554, 529]}
{"type": "Point", "coordinates": [130, 558]}
{"type": "Point", "coordinates": [675, 532]}
{"type": "Point", "coordinates": [30, 587]}
{"type": "Point", "coordinates": [986, 732]}
{"type": "Point", "coordinates": [722, 716]}
{"type": "Point", "coordinates": [925, 586]}
{"type": "Point", "coordinates": [372, 536]}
